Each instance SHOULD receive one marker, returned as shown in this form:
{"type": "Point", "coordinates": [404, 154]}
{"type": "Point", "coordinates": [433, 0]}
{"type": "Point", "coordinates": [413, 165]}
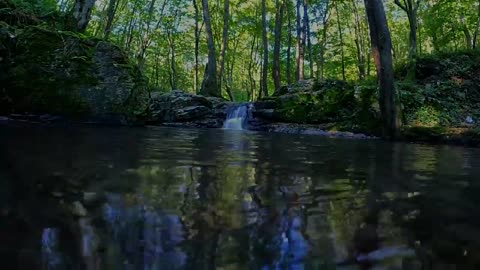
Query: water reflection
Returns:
{"type": "Point", "coordinates": [154, 198]}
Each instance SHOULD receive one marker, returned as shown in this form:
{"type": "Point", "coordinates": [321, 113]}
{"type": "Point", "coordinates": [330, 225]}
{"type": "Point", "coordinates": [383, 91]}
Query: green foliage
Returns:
{"type": "Point", "coordinates": [36, 7]}
{"type": "Point", "coordinates": [446, 91]}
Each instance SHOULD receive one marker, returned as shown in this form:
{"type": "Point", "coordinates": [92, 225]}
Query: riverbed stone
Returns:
{"type": "Point", "coordinates": [78, 209]}
{"type": "Point", "coordinates": [178, 106]}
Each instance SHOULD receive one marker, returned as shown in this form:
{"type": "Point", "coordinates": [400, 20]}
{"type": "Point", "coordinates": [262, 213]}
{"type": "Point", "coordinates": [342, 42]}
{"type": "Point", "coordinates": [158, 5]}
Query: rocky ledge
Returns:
{"type": "Point", "coordinates": [178, 108]}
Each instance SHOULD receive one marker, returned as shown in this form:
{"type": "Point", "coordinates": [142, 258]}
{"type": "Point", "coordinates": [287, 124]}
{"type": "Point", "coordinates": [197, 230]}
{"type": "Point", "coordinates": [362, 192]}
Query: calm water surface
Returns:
{"type": "Point", "coordinates": [164, 198]}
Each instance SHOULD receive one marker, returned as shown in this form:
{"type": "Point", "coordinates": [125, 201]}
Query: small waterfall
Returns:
{"type": "Point", "coordinates": [237, 117]}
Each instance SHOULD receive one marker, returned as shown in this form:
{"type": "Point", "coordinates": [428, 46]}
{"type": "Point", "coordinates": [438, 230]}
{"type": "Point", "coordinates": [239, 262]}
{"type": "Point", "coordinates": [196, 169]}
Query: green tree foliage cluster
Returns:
{"type": "Point", "coordinates": [323, 38]}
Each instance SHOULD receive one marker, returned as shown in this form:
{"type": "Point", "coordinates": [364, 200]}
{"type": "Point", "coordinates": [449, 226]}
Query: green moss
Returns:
{"type": "Point", "coordinates": [49, 67]}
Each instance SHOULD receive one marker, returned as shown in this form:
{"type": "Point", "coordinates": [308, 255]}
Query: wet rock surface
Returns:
{"type": "Point", "coordinates": [178, 108]}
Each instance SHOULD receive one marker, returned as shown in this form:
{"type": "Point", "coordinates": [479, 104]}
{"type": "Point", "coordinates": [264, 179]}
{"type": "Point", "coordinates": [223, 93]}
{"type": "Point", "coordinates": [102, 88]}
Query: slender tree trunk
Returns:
{"type": "Point", "coordinates": [250, 69]}
{"type": "Point", "coordinates": [111, 11]}
{"type": "Point", "coordinates": [144, 36]}
{"type": "Point", "coordinates": [477, 28]}
{"type": "Point", "coordinates": [411, 7]}
{"type": "Point", "coordinates": [323, 42]}
{"type": "Point", "coordinates": [299, 49]}
{"type": "Point", "coordinates": [82, 12]}
{"type": "Point", "coordinates": [197, 46]}
{"type": "Point", "coordinates": [382, 54]}
{"type": "Point", "coordinates": [289, 48]}
{"type": "Point", "coordinates": [173, 71]}
{"type": "Point", "coordinates": [264, 84]}
{"type": "Point", "coordinates": [209, 84]}
{"type": "Point", "coordinates": [359, 42]}
{"type": "Point", "coordinates": [99, 25]}
{"type": "Point", "coordinates": [306, 26]}
{"type": "Point", "coordinates": [131, 26]}
{"type": "Point", "coordinates": [276, 47]}
{"type": "Point", "coordinates": [224, 46]}
{"type": "Point", "coordinates": [229, 81]}
{"type": "Point", "coordinates": [340, 35]}
{"type": "Point", "coordinates": [468, 37]}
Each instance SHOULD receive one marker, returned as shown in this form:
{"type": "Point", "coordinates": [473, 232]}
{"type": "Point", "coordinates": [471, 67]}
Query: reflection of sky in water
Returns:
{"type": "Point", "coordinates": [151, 232]}
{"type": "Point", "coordinates": [50, 254]}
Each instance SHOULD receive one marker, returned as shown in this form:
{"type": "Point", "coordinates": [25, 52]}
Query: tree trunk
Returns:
{"type": "Point", "coordinates": [250, 69]}
{"type": "Point", "coordinates": [323, 42]}
{"type": "Point", "coordinates": [340, 35]}
{"type": "Point", "coordinates": [299, 50]}
{"type": "Point", "coordinates": [111, 11]}
{"type": "Point", "coordinates": [144, 36]}
{"type": "Point", "coordinates": [276, 47]}
{"type": "Point", "coordinates": [359, 44]}
{"type": "Point", "coordinates": [306, 26]}
{"type": "Point", "coordinates": [477, 28]}
{"type": "Point", "coordinates": [224, 46]}
{"type": "Point", "coordinates": [289, 47]}
{"type": "Point", "coordinates": [411, 7]}
{"type": "Point", "coordinates": [229, 81]}
{"type": "Point", "coordinates": [197, 46]}
{"type": "Point", "coordinates": [209, 84]}
{"type": "Point", "coordinates": [264, 84]}
{"type": "Point", "coordinates": [382, 55]}
{"type": "Point", "coordinates": [468, 37]}
{"type": "Point", "coordinates": [82, 12]}
{"type": "Point", "coordinates": [173, 72]}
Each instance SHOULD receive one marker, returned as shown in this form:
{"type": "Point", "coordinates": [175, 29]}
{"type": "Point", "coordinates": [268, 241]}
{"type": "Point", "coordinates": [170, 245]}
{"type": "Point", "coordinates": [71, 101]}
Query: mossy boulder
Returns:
{"type": "Point", "coordinates": [65, 73]}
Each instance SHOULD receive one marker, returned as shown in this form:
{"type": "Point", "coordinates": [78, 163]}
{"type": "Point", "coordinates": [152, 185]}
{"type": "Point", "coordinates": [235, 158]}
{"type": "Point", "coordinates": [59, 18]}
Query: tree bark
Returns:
{"type": "Point", "coordinates": [468, 37]}
{"type": "Point", "coordinates": [250, 69]}
{"type": "Point", "coordinates": [289, 48]}
{"type": "Point", "coordinates": [111, 11]}
{"type": "Point", "coordinates": [224, 46]}
{"type": "Point", "coordinates": [411, 7]}
{"type": "Point", "coordinates": [299, 50]}
{"type": "Point", "coordinates": [382, 55]}
{"type": "Point", "coordinates": [197, 46]}
{"type": "Point", "coordinates": [82, 11]}
{"type": "Point", "coordinates": [276, 47]}
{"type": "Point", "coordinates": [173, 71]}
{"type": "Point", "coordinates": [144, 36]}
{"type": "Point", "coordinates": [477, 28]}
{"type": "Point", "coordinates": [306, 26]}
{"type": "Point", "coordinates": [359, 42]}
{"type": "Point", "coordinates": [209, 84]}
{"type": "Point", "coordinates": [264, 84]}
{"type": "Point", "coordinates": [323, 41]}
{"type": "Point", "coordinates": [340, 35]}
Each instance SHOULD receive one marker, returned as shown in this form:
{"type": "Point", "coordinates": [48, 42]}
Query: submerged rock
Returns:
{"type": "Point", "coordinates": [78, 209]}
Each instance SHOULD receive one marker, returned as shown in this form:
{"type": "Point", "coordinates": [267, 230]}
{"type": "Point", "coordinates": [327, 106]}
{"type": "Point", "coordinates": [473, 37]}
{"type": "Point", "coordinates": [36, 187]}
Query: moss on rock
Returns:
{"type": "Point", "coordinates": [65, 73]}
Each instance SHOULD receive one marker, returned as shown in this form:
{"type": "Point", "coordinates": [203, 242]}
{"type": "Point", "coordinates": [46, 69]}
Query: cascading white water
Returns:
{"type": "Point", "coordinates": [237, 117]}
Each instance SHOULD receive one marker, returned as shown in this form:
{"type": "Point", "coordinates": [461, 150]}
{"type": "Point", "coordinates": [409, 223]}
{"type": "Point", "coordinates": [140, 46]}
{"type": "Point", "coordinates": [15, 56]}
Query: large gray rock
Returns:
{"type": "Point", "coordinates": [62, 73]}
{"type": "Point", "coordinates": [179, 106]}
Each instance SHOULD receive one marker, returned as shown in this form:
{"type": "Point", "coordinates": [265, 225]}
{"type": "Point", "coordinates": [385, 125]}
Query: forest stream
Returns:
{"type": "Point", "coordinates": [169, 198]}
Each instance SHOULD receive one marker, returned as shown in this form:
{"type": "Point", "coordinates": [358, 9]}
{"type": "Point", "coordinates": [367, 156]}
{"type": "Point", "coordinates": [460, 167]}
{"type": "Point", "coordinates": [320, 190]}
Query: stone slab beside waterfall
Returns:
{"type": "Point", "coordinates": [178, 108]}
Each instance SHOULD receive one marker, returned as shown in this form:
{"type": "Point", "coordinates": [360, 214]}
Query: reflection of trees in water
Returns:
{"type": "Point", "coordinates": [248, 201]}
{"type": "Point", "coordinates": [142, 237]}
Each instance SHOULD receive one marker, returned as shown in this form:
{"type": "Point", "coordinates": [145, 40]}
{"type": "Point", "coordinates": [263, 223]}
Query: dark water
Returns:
{"type": "Point", "coordinates": [157, 198]}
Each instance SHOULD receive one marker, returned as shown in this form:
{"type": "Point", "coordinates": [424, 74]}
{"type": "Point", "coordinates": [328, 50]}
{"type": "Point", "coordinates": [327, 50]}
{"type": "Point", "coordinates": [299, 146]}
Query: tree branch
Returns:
{"type": "Point", "coordinates": [397, 2]}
